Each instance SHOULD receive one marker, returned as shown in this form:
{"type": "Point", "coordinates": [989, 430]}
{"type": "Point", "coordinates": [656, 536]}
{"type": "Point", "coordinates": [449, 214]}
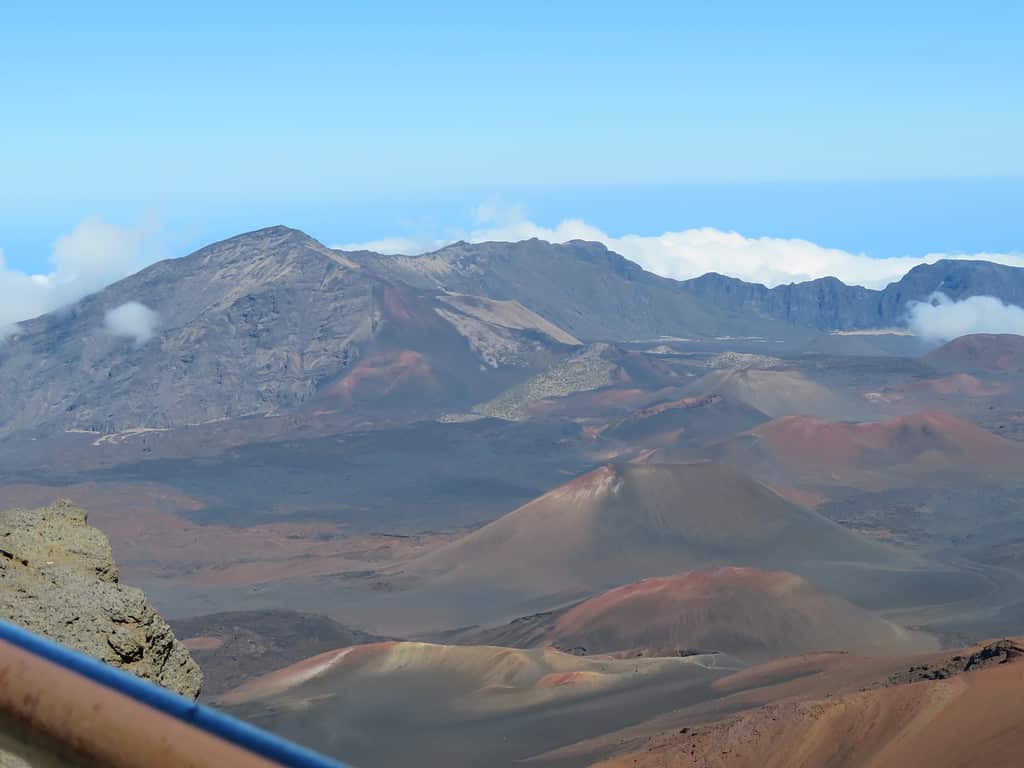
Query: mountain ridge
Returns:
{"type": "Point", "coordinates": [260, 324]}
{"type": "Point", "coordinates": [824, 304]}
{"type": "Point", "coordinates": [270, 321]}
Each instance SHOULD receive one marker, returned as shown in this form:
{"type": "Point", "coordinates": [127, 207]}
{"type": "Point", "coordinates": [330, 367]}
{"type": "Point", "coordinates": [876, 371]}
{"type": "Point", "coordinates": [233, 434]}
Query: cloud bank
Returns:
{"type": "Point", "coordinates": [694, 252]}
{"type": "Point", "coordinates": [93, 255]}
{"type": "Point", "coordinates": [132, 320]}
{"type": "Point", "coordinates": [941, 318]}
{"type": "Point", "coordinates": [96, 253]}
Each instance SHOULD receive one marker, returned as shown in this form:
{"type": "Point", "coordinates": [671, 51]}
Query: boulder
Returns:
{"type": "Point", "coordinates": [58, 578]}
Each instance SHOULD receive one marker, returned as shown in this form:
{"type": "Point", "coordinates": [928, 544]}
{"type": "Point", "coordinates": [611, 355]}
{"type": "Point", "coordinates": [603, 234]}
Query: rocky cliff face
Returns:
{"type": "Point", "coordinates": [58, 579]}
{"type": "Point", "coordinates": [829, 304]}
{"type": "Point", "coordinates": [825, 304]}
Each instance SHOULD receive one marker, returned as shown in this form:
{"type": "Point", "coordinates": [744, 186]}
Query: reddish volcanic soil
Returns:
{"type": "Point", "coordinates": [487, 705]}
{"type": "Point", "coordinates": [746, 612]}
{"type": "Point", "coordinates": [996, 352]}
{"type": "Point", "coordinates": [931, 440]}
{"type": "Point", "coordinates": [959, 384]}
{"type": "Point", "coordinates": [965, 718]}
{"type": "Point", "coordinates": [380, 375]}
{"type": "Point", "coordinates": [203, 643]}
{"type": "Point", "coordinates": [624, 522]}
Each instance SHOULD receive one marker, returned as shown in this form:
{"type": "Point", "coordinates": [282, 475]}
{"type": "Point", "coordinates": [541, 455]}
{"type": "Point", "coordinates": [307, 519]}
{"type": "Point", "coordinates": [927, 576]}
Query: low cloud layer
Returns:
{"type": "Point", "coordinates": [694, 252]}
{"type": "Point", "coordinates": [941, 318]}
{"type": "Point", "coordinates": [96, 253]}
{"type": "Point", "coordinates": [132, 320]}
{"type": "Point", "coordinates": [93, 255]}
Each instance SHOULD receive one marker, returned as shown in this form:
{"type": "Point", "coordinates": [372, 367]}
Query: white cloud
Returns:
{"type": "Point", "coordinates": [96, 253]}
{"type": "Point", "coordinates": [941, 318]}
{"type": "Point", "coordinates": [397, 245]}
{"type": "Point", "coordinates": [91, 256]}
{"type": "Point", "coordinates": [694, 252]}
{"type": "Point", "coordinates": [496, 213]}
{"type": "Point", "coordinates": [132, 320]}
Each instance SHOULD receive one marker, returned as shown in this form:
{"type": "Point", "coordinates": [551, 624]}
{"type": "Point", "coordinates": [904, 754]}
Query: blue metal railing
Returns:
{"type": "Point", "coordinates": [228, 728]}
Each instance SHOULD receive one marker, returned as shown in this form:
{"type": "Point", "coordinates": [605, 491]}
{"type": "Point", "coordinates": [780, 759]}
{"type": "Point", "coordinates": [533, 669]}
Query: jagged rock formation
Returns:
{"type": "Point", "coordinates": [1004, 651]}
{"type": "Point", "coordinates": [829, 304]}
{"type": "Point", "coordinates": [58, 579]}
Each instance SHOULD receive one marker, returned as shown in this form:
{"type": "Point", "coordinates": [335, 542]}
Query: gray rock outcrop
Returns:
{"type": "Point", "coordinates": [58, 579]}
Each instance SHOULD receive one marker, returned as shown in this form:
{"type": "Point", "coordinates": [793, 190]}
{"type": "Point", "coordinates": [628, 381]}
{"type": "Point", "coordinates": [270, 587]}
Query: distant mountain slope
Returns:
{"type": "Point", "coordinates": [265, 322]}
{"type": "Point", "coordinates": [260, 324]}
{"type": "Point", "coordinates": [591, 292]}
{"type": "Point", "coordinates": [825, 304]}
{"type": "Point", "coordinates": [830, 304]}
{"type": "Point", "coordinates": [620, 523]}
{"type": "Point", "coordinates": [746, 612]}
{"type": "Point", "coordinates": [928, 437]}
{"type": "Point", "coordinates": [238, 334]}
{"type": "Point", "coordinates": [775, 393]}
{"type": "Point", "coordinates": [561, 282]}
{"type": "Point", "coordinates": [980, 352]}
{"type": "Point", "coordinates": [899, 451]}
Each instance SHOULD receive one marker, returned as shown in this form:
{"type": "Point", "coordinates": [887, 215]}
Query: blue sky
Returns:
{"type": "Point", "coordinates": [889, 129]}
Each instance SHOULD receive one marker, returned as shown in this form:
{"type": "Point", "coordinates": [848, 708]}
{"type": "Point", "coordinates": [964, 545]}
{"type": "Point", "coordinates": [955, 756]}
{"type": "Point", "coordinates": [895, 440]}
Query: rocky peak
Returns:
{"type": "Point", "coordinates": [249, 325]}
{"type": "Point", "coordinates": [58, 579]}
